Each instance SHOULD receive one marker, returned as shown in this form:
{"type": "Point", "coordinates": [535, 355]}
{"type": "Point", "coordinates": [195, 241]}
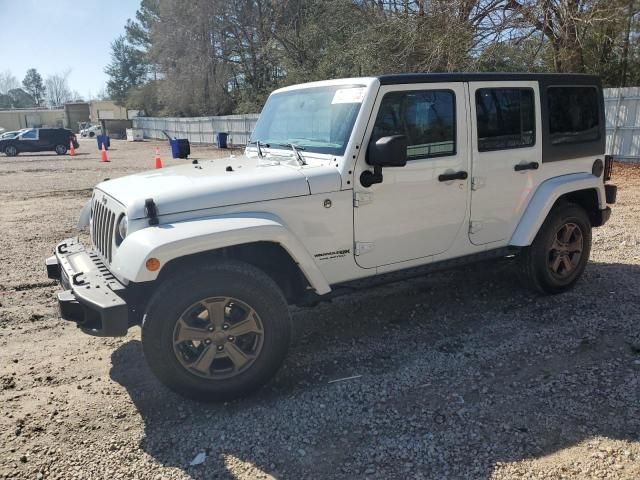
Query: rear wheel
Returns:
{"type": "Point", "coordinates": [92, 134]}
{"type": "Point", "coordinates": [61, 149]}
{"type": "Point", "coordinates": [559, 254]}
{"type": "Point", "coordinates": [11, 151]}
{"type": "Point", "coordinates": [217, 333]}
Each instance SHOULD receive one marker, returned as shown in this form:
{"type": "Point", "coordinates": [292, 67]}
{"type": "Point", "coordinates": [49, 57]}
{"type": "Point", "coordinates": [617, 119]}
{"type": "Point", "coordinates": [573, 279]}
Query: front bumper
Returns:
{"type": "Point", "coordinates": [93, 297]}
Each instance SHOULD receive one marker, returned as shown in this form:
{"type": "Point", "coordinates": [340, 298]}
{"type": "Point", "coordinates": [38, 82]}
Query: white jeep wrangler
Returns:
{"type": "Point", "coordinates": [345, 184]}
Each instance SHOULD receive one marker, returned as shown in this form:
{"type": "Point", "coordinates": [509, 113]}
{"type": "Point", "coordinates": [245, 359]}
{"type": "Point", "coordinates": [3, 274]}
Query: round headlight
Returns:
{"type": "Point", "coordinates": [122, 229]}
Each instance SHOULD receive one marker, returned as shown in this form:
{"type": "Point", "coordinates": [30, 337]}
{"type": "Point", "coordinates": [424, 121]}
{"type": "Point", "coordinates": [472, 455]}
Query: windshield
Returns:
{"type": "Point", "coordinates": [314, 119]}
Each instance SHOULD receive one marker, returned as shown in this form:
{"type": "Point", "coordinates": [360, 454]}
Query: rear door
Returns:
{"type": "Point", "coordinates": [47, 139]}
{"type": "Point", "coordinates": [507, 156]}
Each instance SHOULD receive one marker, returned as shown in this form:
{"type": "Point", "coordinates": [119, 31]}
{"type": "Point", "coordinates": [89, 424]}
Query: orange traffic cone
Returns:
{"type": "Point", "coordinates": [103, 154]}
{"type": "Point", "coordinates": [72, 150]}
{"type": "Point", "coordinates": [158, 161]}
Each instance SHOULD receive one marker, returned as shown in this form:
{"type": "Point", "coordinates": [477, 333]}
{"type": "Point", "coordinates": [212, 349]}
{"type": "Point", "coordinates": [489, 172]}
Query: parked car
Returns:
{"type": "Point", "coordinates": [39, 140]}
{"type": "Point", "coordinates": [345, 184]}
{"type": "Point", "coordinates": [91, 131]}
{"type": "Point", "coordinates": [12, 134]}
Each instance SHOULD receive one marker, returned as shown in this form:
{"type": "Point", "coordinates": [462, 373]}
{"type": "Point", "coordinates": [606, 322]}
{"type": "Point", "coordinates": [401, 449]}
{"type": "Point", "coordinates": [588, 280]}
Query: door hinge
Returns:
{"type": "Point", "coordinates": [363, 247]}
{"type": "Point", "coordinates": [362, 198]}
{"type": "Point", "coordinates": [474, 226]}
{"type": "Point", "coordinates": [477, 182]}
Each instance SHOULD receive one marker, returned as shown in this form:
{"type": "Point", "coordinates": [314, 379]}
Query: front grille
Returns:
{"type": "Point", "coordinates": [102, 229]}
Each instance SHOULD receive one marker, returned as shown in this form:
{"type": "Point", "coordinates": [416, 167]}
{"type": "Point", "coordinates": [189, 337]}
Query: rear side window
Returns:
{"type": "Point", "coordinates": [426, 118]}
{"type": "Point", "coordinates": [573, 114]}
{"type": "Point", "coordinates": [506, 118]}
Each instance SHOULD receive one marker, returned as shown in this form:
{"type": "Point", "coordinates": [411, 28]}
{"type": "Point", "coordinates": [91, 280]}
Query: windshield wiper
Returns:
{"type": "Point", "coordinates": [296, 151]}
{"type": "Point", "coordinates": [259, 148]}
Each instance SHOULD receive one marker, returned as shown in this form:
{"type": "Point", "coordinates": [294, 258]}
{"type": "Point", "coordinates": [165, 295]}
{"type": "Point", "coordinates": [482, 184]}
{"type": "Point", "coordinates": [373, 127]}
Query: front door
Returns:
{"type": "Point", "coordinates": [507, 155]}
{"type": "Point", "coordinates": [28, 141]}
{"type": "Point", "coordinates": [418, 209]}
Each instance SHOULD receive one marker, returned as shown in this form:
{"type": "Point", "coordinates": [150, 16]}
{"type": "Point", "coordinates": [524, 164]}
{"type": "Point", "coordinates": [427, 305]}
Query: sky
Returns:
{"type": "Point", "coordinates": [53, 36]}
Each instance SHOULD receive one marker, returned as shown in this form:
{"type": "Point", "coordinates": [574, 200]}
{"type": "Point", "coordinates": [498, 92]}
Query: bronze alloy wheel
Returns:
{"type": "Point", "coordinates": [218, 338]}
{"type": "Point", "coordinates": [566, 250]}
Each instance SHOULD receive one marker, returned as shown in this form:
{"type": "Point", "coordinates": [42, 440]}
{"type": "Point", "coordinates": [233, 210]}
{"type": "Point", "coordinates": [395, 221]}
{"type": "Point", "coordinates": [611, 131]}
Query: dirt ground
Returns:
{"type": "Point", "coordinates": [461, 374]}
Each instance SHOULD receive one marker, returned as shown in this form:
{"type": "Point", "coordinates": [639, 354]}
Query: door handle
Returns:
{"type": "Point", "coordinates": [446, 177]}
{"type": "Point", "coordinates": [526, 166]}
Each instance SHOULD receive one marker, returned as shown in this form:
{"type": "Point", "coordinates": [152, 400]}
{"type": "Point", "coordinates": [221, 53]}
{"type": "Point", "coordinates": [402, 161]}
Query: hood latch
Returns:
{"type": "Point", "coordinates": [151, 211]}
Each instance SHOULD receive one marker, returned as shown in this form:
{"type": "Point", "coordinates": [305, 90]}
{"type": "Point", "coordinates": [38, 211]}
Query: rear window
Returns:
{"type": "Point", "coordinates": [506, 118]}
{"type": "Point", "coordinates": [573, 114]}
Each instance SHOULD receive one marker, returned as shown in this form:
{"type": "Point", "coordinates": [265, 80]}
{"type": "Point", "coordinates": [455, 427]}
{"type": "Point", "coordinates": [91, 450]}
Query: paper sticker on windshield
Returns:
{"type": "Point", "coordinates": [348, 95]}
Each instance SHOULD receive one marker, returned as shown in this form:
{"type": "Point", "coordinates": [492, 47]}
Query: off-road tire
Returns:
{"type": "Point", "coordinates": [11, 151]}
{"type": "Point", "coordinates": [61, 149]}
{"type": "Point", "coordinates": [227, 278]}
{"type": "Point", "coordinates": [535, 260]}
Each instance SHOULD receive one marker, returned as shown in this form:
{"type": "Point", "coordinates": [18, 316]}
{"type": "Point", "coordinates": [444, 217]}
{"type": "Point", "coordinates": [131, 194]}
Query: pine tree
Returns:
{"type": "Point", "coordinates": [34, 86]}
{"type": "Point", "coordinates": [126, 70]}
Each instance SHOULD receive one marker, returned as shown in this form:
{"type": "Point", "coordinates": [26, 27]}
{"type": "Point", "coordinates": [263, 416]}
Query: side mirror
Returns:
{"type": "Point", "coordinates": [385, 152]}
{"type": "Point", "coordinates": [388, 152]}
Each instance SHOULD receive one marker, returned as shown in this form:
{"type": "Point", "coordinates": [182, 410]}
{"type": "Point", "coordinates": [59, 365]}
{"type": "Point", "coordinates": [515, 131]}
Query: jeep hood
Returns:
{"type": "Point", "coordinates": [218, 183]}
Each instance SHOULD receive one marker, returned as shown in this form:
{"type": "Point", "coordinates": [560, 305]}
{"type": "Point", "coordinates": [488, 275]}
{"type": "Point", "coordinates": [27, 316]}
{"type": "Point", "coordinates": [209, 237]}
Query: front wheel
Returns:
{"type": "Point", "coordinates": [559, 254]}
{"type": "Point", "coordinates": [11, 151]}
{"type": "Point", "coordinates": [216, 333]}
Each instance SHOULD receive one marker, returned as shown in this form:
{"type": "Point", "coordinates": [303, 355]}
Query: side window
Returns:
{"type": "Point", "coordinates": [426, 118]}
{"type": "Point", "coordinates": [29, 135]}
{"type": "Point", "coordinates": [506, 118]}
{"type": "Point", "coordinates": [573, 114]}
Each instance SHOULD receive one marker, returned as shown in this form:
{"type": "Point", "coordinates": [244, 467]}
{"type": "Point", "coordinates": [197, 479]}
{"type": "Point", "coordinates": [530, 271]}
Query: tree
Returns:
{"type": "Point", "coordinates": [33, 86]}
{"type": "Point", "coordinates": [212, 57]}
{"type": "Point", "coordinates": [5, 101]}
{"type": "Point", "coordinates": [145, 98]}
{"type": "Point", "coordinates": [137, 31]}
{"type": "Point", "coordinates": [126, 70]}
{"type": "Point", "coordinates": [8, 82]}
{"type": "Point", "coordinates": [58, 92]}
{"type": "Point", "coordinates": [565, 24]}
{"type": "Point", "coordinates": [76, 96]}
{"type": "Point", "coordinates": [102, 94]}
{"type": "Point", "coordinates": [21, 99]}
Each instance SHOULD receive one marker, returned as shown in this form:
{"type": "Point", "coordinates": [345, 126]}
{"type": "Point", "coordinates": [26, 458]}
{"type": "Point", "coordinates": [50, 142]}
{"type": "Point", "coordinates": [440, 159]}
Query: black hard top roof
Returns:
{"type": "Point", "coordinates": [543, 78]}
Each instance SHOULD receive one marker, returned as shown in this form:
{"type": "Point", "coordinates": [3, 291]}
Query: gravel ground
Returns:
{"type": "Point", "coordinates": [461, 374]}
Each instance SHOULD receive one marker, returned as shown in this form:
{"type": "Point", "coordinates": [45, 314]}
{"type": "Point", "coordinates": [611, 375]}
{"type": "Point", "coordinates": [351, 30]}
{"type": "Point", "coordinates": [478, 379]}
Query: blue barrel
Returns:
{"type": "Point", "coordinates": [174, 147]}
{"type": "Point", "coordinates": [103, 139]}
{"type": "Point", "coordinates": [180, 147]}
{"type": "Point", "coordinates": [222, 139]}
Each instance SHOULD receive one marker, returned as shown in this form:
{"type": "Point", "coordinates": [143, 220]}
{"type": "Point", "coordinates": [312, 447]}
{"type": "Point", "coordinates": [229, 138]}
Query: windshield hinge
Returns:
{"type": "Point", "coordinates": [362, 248]}
{"type": "Point", "coordinates": [362, 198]}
